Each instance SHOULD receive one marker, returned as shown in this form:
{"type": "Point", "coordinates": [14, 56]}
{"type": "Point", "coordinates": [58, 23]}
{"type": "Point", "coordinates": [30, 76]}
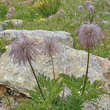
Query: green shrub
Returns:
{"type": "Point", "coordinates": [76, 84]}
{"type": "Point", "coordinates": [51, 90]}
{"type": "Point", "coordinates": [48, 7]}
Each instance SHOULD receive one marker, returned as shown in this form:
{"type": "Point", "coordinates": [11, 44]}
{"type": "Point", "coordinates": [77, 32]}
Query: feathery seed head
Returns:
{"type": "Point", "coordinates": [80, 8]}
{"type": "Point", "coordinates": [11, 10]}
{"type": "Point", "coordinates": [8, 15]}
{"type": "Point", "coordinates": [89, 35]}
{"type": "Point", "coordinates": [50, 47]}
{"type": "Point", "coordinates": [91, 8]}
{"type": "Point", "coordinates": [87, 3]}
{"type": "Point", "coordinates": [23, 48]}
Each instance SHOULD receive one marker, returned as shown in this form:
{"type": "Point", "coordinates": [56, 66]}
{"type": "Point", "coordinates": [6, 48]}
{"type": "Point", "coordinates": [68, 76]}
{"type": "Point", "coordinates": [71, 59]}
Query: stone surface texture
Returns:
{"type": "Point", "coordinates": [69, 61]}
{"type": "Point", "coordinates": [20, 76]}
{"type": "Point", "coordinates": [1, 28]}
{"type": "Point", "coordinates": [103, 103]}
{"type": "Point", "coordinates": [62, 36]}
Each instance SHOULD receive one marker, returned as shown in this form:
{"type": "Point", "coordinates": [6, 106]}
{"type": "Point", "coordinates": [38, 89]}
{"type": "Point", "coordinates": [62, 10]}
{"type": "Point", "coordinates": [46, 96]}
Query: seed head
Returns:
{"type": "Point", "coordinates": [89, 35]}
{"type": "Point", "coordinates": [87, 3]}
{"type": "Point", "coordinates": [23, 48]}
{"type": "Point", "coordinates": [91, 8]}
{"type": "Point", "coordinates": [50, 47]}
{"type": "Point", "coordinates": [80, 8]}
{"type": "Point", "coordinates": [8, 15]}
{"type": "Point", "coordinates": [11, 10]}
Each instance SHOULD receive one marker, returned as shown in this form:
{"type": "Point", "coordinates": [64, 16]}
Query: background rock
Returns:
{"type": "Point", "coordinates": [14, 21]}
{"type": "Point", "coordinates": [1, 28]}
{"type": "Point", "coordinates": [21, 77]}
{"type": "Point", "coordinates": [102, 103]}
{"type": "Point", "coordinates": [63, 37]}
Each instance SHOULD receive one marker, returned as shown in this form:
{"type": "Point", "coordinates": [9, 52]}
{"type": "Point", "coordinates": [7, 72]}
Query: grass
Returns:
{"type": "Point", "coordinates": [69, 21]}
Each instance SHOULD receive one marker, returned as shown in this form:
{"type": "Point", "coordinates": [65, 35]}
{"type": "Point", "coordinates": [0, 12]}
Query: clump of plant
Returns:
{"type": "Point", "coordinates": [3, 11]}
{"type": "Point", "coordinates": [49, 48]}
{"type": "Point", "coordinates": [76, 84]}
{"type": "Point", "coordinates": [48, 7]}
{"type": "Point", "coordinates": [88, 37]}
{"type": "Point", "coordinates": [11, 10]}
{"type": "Point", "coordinates": [25, 50]}
{"type": "Point", "coordinates": [51, 90]}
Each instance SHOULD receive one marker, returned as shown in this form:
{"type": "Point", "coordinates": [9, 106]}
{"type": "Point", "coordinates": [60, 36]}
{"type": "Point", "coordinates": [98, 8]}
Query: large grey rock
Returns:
{"type": "Point", "coordinates": [102, 103]}
{"type": "Point", "coordinates": [1, 28]}
{"type": "Point", "coordinates": [21, 77]}
{"type": "Point", "coordinates": [63, 37]}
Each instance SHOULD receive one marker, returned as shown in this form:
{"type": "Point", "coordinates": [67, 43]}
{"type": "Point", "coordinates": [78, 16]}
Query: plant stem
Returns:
{"type": "Point", "coordinates": [35, 77]}
{"type": "Point", "coordinates": [52, 66]}
{"type": "Point", "coordinates": [8, 101]}
{"type": "Point", "coordinates": [86, 74]}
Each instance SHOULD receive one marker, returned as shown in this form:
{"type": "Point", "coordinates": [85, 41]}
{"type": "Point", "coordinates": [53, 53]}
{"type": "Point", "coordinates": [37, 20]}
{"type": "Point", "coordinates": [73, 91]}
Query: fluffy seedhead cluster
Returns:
{"type": "Point", "coordinates": [11, 10]}
{"type": "Point", "coordinates": [89, 35]}
{"type": "Point", "coordinates": [87, 3]}
{"type": "Point", "coordinates": [89, 7]}
{"type": "Point", "coordinates": [80, 8]}
{"type": "Point", "coordinates": [8, 15]}
{"type": "Point", "coordinates": [50, 47]}
{"type": "Point", "coordinates": [23, 48]}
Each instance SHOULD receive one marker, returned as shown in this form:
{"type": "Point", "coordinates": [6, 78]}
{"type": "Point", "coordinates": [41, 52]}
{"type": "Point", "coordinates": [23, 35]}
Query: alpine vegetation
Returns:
{"type": "Point", "coordinates": [11, 10]}
{"type": "Point", "coordinates": [8, 15]}
{"type": "Point", "coordinates": [50, 47]}
{"type": "Point", "coordinates": [87, 3]}
{"type": "Point", "coordinates": [88, 37]}
{"type": "Point", "coordinates": [90, 9]}
{"type": "Point", "coordinates": [25, 50]}
{"type": "Point", "coordinates": [80, 8]}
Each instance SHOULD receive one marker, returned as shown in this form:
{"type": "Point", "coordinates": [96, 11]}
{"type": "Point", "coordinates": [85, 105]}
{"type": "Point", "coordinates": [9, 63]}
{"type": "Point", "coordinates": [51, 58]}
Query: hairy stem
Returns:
{"type": "Point", "coordinates": [35, 77]}
{"type": "Point", "coordinates": [86, 74]}
{"type": "Point", "coordinates": [52, 66]}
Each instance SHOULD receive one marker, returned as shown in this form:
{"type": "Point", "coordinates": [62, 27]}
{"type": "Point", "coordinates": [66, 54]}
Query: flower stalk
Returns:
{"type": "Point", "coordinates": [52, 66]}
{"type": "Point", "coordinates": [35, 77]}
{"type": "Point", "coordinates": [86, 73]}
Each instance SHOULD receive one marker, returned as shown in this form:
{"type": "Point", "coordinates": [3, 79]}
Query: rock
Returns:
{"type": "Point", "coordinates": [65, 92]}
{"type": "Point", "coordinates": [102, 103]}
{"type": "Point", "coordinates": [15, 21]}
{"type": "Point", "coordinates": [1, 28]}
{"type": "Point", "coordinates": [20, 76]}
{"type": "Point", "coordinates": [3, 106]}
{"type": "Point", "coordinates": [63, 37]}
{"type": "Point", "coordinates": [89, 105]}
{"type": "Point", "coordinates": [106, 22]}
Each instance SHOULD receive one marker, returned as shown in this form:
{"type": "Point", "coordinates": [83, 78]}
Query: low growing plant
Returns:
{"type": "Point", "coordinates": [50, 47]}
{"type": "Point", "coordinates": [89, 36]}
{"type": "Point", "coordinates": [92, 90]}
{"type": "Point", "coordinates": [25, 50]}
{"type": "Point", "coordinates": [51, 90]}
